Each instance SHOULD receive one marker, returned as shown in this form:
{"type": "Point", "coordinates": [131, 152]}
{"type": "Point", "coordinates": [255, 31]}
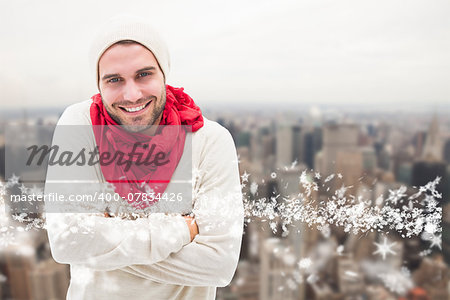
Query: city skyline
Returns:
{"type": "Point", "coordinates": [376, 157]}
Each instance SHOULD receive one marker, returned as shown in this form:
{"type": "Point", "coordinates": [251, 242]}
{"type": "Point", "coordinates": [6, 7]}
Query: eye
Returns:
{"type": "Point", "coordinates": [113, 80]}
{"type": "Point", "coordinates": [144, 74]}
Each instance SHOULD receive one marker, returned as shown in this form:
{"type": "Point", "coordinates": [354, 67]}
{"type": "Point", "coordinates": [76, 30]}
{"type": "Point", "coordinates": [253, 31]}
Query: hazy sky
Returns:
{"type": "Point", "coordinates": [261, 52]}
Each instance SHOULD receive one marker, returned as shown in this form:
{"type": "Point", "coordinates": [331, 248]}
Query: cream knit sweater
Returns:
{"type": "Point", "coordinates": [152, 257]}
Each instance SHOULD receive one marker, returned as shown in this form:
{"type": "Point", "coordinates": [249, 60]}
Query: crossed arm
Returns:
{"type": "Point", "coordinates": [169, 249]}
{"type": "Point", "coordinates": [190, 222]}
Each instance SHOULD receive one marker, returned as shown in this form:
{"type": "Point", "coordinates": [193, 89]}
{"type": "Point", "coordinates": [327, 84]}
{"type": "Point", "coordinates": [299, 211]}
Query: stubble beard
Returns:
{"type": "Point", "coordinates": [155, 114]}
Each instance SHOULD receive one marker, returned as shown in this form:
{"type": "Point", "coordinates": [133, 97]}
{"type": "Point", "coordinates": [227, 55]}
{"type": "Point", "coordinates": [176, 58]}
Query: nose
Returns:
{"type": "Point", "coordinates": [132, 92]}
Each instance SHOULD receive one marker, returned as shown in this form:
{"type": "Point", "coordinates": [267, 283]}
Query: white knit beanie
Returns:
{"type": "Point", "coordinates": [127, 27]}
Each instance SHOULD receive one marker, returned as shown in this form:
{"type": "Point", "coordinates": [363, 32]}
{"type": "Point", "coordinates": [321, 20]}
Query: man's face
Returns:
{"type": "Point", "coordinates": [132, 86]}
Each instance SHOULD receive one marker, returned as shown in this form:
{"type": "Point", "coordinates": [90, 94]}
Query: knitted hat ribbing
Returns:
{"type": "Point", "coordinates": [129, 28]}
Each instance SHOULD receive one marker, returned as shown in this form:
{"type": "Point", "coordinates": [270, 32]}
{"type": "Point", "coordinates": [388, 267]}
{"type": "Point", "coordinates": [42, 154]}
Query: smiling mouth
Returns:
{"type": "Point", "coordinates": [135, 109]}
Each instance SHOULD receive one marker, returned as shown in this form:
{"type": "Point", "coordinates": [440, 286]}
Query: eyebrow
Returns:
{"type": "Point", "coordinates": [107, 76]}
{"type": "Point", "coordinates": [146, 69]}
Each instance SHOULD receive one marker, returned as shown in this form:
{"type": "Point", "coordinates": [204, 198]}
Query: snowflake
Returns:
{"type": "Point", "coordinates": [35, 223]}
{"type": "Point", "coordinates": [379, 201]}
{"type": "Point", "coordinates": [397, 282]}
{"type": "Point", "coordinates": [23, 189]}
{"type": "Point", "coordinates": [430, 228]}
{"type": "Point", "coordinates": [329, 178]}
{"type": "Point", "coordinates": [405, 271]}
{"type": "Point", "coordinates": [20, 218]}
{"type": "Point", "coordinates": [12, 181]}
{"type": "Point", "coordinates": [425, 252]}
{"type": "Point", "coordinates": [384, 249]}
{"type": "Point", "coordinates": [253, 188]}
{"type": "Point", "coordinates": [273, 226]}
{"type": "Point", "coordinates": [305, 263]}
{"type": "Point", "coordinates": [294, 163]}
{"type": "Point", "coordinates": [436, 240]}
{"type": "Point", "coordinates": [354, 214]}
{"type": "Point", "coordinates": [7, 238]}
{"type": "Point", "coordinates": [245, 176]}
{"type": "Point", "coordinates": [395, 196]}
{"type": "Point", "coordinates": [340, 193]}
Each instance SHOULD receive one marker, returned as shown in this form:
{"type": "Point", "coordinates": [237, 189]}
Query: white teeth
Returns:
{"type": "Point", "coordinates": [134, 109]}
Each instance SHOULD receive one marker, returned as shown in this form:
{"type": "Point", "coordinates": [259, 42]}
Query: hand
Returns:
{"type": "Point", "coordinates": [193, 228]}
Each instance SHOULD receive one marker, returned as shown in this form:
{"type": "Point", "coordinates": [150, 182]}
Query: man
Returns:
{"type": "Point", "coordinates": [158, 255]}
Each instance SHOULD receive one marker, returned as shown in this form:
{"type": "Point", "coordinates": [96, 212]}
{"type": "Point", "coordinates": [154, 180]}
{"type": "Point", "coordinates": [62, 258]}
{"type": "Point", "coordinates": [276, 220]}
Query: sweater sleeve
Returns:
{"type": "Point", "coordinates": [211, 259]}
{"type": "Point", "coordinates": [111, 243]}
{"type": "Point", "coordinates": [89, 238]}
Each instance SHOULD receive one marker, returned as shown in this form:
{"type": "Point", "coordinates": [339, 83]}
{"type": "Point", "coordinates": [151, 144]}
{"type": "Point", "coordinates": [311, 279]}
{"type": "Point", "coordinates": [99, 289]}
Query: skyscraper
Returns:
{"type": "Point", "coordinates": [336, 138]}
{"type": "Point", "coordinates": [432, 150]}
{"type": "Point", "coordinates": [288, 145]}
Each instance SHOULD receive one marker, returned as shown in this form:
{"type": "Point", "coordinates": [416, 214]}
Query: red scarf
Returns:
{"type": "Point", "coordinates": [133, 182]}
